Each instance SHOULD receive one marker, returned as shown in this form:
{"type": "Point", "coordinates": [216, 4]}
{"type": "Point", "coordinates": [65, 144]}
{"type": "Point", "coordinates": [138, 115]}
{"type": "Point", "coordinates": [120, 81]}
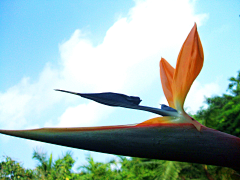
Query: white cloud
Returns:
{"type": "Point", "coordinates": [12, 106]}
{"type": "Point", "coordinates": [83, 115]}
{"type": "Point", "coordinates": [153, 28]}
{"type": "Point", "coordinates": [126, 61]}
{"type": "Point", "coordinates": [196, 96]}
{"type": "Point", "coordinates": [26, 98]}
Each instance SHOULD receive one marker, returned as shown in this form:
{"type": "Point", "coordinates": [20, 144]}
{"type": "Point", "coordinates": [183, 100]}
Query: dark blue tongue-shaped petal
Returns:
{"type": "Point", "coordinates": [167, 108]}
{"type": "Point", "coordinates": [121, 100]}
{"type": "Point", "coordinates": [109, 98]}
{"type": "Point", "coordinates": [113, 99]}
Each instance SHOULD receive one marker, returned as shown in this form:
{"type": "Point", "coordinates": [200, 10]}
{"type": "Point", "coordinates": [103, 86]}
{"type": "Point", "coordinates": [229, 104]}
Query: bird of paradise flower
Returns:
{"type": "Point", "coordinates": [174, 136]}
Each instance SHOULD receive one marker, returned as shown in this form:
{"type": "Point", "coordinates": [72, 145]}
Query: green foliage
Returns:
{"type": "Point", "coordinates": [234, 86]}
{"type": "Point", "coordinates": [44, 167]}
{"type": "Point", "coordinates": [169, 170]}
{"type": "Point", "coordinates": [57, 170]}
{"type": "Point", "coordinates": [118, 169]}
{"type": "Point", "coordinates": [10, 169]}
{"type": "Point", "coordinates": [152, 169]}
{"type": "Point", "coordinates": [136, 168]}
{"type": "Point", "coordinates": [223, 112]}
{"type": "Point", "coordinates": [96, 170]}
{"type": "Point", "coordinates": [62, 167]}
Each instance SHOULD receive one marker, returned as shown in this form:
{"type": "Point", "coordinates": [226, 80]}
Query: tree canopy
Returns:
{"type": "Point", "coordinates": [223, 112]}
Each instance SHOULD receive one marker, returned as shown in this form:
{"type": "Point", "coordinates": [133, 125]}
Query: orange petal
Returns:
{"type": "Point", "coordinates": [189, 64]}
{"type": "Point", "coordinates": [157, 120]}
{"type": "Point", "coordinates": [166, 74]}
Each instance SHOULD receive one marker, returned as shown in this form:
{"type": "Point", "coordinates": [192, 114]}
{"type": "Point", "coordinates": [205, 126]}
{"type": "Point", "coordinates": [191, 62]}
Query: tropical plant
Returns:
{"type": "Point", "coordinates": [223, 112]}
{"type": "Point", "coordinates": [62, 168]}
{"type": "Point", "coordinates": [11, 169]}
{"type": "Point", "coordinates": [45, 164]}
{"type": "Point", "coordinates": [96, 170]}
{"type": "Point", "coordinates": [177, 136]}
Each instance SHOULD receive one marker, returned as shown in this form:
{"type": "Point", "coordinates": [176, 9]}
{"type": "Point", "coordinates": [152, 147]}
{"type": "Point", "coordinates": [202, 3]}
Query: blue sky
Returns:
{"type": "Point", "coordinates": [102, 46]}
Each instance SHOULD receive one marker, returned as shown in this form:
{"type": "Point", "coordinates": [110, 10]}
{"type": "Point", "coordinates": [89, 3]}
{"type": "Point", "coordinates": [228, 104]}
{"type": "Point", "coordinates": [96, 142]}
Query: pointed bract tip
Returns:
{"type": "Point", "coordinates": [60, 90]}
{"type": "Point", "coordinates": [189, 65]}
{"type": "Point", "coordinates": [67, 91]}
